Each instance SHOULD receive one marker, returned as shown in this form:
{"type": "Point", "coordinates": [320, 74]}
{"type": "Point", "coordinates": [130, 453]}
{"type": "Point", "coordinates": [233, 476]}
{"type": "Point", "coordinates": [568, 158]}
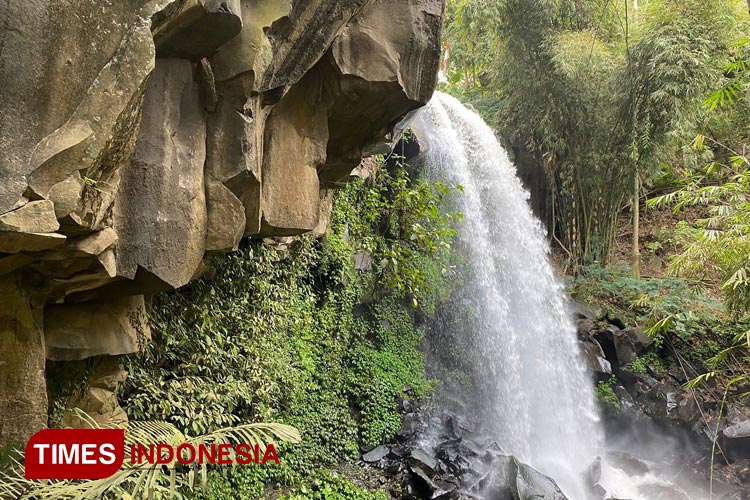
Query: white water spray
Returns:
{"type": "Point", "coordinates": [540, 400]}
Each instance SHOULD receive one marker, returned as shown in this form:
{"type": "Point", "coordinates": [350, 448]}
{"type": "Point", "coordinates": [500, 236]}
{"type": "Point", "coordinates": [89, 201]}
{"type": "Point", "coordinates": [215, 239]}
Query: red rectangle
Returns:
{"type": "Point", "coordinates": [75, 453]}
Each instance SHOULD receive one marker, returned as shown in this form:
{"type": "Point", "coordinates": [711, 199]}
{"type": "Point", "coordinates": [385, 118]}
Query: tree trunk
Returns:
{"type": "Point", "coordinates": [636, 226]}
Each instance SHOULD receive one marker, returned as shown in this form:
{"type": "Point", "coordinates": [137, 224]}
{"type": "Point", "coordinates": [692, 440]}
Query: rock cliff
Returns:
{"type": "Point", "coordinates": [140, 137]}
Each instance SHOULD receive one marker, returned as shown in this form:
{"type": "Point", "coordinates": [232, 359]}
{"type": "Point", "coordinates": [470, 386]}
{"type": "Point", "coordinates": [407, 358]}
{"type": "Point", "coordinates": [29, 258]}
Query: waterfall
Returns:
{"type": "Point", "coordinates": [536, 395]}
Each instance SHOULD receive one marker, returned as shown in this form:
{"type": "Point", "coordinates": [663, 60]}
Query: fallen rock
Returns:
{"type": "Point", "coordinates": [423, 459]}
{"type": "Point", "coordinates": [99, 400]}
{"type": "Point", "coordinates": [197, 28]}
{"type": "Point", "coordinates": [630, 343]}
{"type": "Point", "coordinates": [34, 217]}
{"type": "Point", "coordinates": [66, 195]}
{"type": "Point", "coordinates": [376, 454]}
{"type": "Point", "coordinates": [11, 242]}
{"type": "Point", "coordinates": [627, 463]}
{"type": "Point", "coordinates": [530, 484]}
{"type": "Point", "coordinates": [735, 441]}
{"type": "Point", "coordinates": [595, 358]}
{"type": "Point", "coordinates": [79, 331]}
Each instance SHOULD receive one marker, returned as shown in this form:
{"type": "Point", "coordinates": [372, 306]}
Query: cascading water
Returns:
{"type": "Point", "coordinates": [536, 396]}
{"type": "Point", "coordinates": [541, 401]}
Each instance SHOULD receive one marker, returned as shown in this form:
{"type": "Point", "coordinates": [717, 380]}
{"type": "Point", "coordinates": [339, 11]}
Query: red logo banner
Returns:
{"type": "Point", "coordinates": [75, 453]}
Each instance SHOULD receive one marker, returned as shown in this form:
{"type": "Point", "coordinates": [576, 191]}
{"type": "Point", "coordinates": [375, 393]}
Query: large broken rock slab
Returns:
{"type": "Point", "coordinates": [294, 148]}
{"type": "Point", "coordinates": [111, 327]}
{"type": "Point", "coordinates": [299, 40]}
{"type": "Point", "coordinates": [72, 104]}
{"type": "Point", "coordinates": [226, 218]}
{"type": "Point", "coordinates": [11, 242]}
{"type": "Point", "coordinates": [383, 75]}
{"type": "Point", "coordinates": [160, 209]}
{"type": "Point", "coordinates": [23, 393]}
{"type": "Point", "coordinates": [34, 217]}
{"type": "Point", "coordinates": [196, 28]}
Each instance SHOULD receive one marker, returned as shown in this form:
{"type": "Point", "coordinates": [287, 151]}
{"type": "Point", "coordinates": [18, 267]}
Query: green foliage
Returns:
{"type": "Point", "coordinates": [722, 244]}
{"type": "Point", "coordinates": [300, 336]}
{"type": "Point", "coordinates": [737, 79]}
{"type": "Point", "coordinates": [647, 302]}
{"type": "Point", "coordinates": [412, 234]}
{"type": "Point", "coordinates": [327, 485]}
{"type": "Point", "coordinates": [606, 394]}
{"type": "Point", "coordinates": [132, 481]}
{"type": "Point", "coordinates": [648, 362]}
{"type": "Point", "coordinates": [588, 94]}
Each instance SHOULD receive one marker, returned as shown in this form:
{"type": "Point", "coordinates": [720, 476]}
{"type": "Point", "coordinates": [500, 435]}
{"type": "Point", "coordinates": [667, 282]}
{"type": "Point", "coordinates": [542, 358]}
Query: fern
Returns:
{"type": "Point", "coordinates": [144, 480]}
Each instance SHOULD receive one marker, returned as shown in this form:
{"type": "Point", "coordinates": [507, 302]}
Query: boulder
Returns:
{"type": "Point", "coordinates": [530, 484]}
{"type": "Point", "coordinates": [225, 218]}
{"type": "Point", "coordinates": [497, 483]}
{"type": "Point", "coordinates": [33, 217]}
{"type": "Point", "coordinates": [196, 28]}
{"type": "Point", "coordinates": [595, 358]}
{"type": "Point", "coordinates": [622, 346]}
{"type": "Point", "coordinates": [23, 393]}
{"type": "Point", "coordinates": [630, 343]}
{"type": "Point", "coordinates": [375, 454]}
{"type": "Point", "coordinates": [111, 327]}
{"type": "Point", "coordinates": [66, 195]}
{"type": "Point", "coordinates": [99, 400]}
{"type": "Point", "coordinates": [423, 460]}
{"type": "Point", "coordinates": [735, 441]}
{"type": "Point", "coordinates": [160, 212]}
{"type": "Point", "coordinates": [592, 312]}
{"type": "Point", "coordinates": [627, 463]}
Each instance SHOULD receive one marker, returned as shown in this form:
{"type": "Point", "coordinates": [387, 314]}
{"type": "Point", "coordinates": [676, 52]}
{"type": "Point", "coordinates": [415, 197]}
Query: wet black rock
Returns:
{"type": "Point", "coordinates": [735, 441]}
{"type": "Point", "coordinates": [627, 463]}
{"type": "Point", "coordinates": [531, 484]}
{"type": "Point", "coordinates": [376, 454]}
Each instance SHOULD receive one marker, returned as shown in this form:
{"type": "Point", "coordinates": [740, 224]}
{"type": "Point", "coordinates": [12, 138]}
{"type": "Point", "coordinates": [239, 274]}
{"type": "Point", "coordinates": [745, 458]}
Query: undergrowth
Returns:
{"type": "Point", "coordinates": [301, 337]}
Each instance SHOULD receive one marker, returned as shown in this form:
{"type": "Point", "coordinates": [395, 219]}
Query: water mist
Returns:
{"type": "Point", "coordinates": [538, 400]}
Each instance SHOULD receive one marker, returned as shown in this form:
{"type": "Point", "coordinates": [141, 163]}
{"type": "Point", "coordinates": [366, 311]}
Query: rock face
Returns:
{"type": "Point", "coordinates": [23, 397]}
{"type": "Point", "coordinates": [141, 136]}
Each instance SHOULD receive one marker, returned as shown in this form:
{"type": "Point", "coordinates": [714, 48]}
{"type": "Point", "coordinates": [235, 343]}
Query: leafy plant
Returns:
{"type": "Point", "coordinates": [145, 480]}
{"type": "Point", "coordinates": [301, 336]}
{"type": "Point", "coordinates": [328, 485]}
{"type": "Point", "coordinates": [606, 394]}
{"type": "Point", "coordinates": [649, 361]}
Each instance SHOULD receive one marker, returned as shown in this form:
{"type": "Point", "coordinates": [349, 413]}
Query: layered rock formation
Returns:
{"type": "Point", "coordinates": [140, 137]}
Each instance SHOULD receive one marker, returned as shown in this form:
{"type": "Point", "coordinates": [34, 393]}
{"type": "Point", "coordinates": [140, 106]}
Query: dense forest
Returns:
{"type": "Point", "coordinates": [628, 122]}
